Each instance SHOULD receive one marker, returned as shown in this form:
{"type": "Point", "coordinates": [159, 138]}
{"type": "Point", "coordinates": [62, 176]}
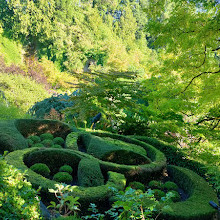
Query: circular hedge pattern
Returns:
{"type": "Point", "coordinates": [101, 160]}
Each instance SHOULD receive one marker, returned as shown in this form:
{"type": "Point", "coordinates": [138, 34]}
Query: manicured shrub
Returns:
{"type": "Point", "coordinates": [71, 140]}
{"type": "Point", "coordinates": [63, 177]}
{"type": "Point", "coordinates": [176, 196]}
{"type": "Point", "coordinates": [46, 136]}
{"type": "Point", "coordinates": [47, 142]}
{"type": "Point", "coordinates": [30, 142]}
{"type": "Point", "coordinates": [137, 185]}
{"type": "Point", "coordinates": [89, 173]}
{"type": "Point", "coordinates": [66, 168]}
{"type": "Point", "coordinates": [153, 184]}
{"type": "Point", "coordinates": [170, 186]}
{"type": "Point", "coordinates": [18, 200]}
{"type": "Point", "coordinates": [41, 169]}
{"type": "Point", "coordinates": [10, 138]}
{"type": "Point", "coordinates": [35, 139]}
{"type": "Point", "coordinates": [158, 194]}
{"type": "Point", "coordinates": [38, 145]}
{"type": "Point", "coordinates": [58, 140]}
{"type": "Point", "coordinates": [56, 146]}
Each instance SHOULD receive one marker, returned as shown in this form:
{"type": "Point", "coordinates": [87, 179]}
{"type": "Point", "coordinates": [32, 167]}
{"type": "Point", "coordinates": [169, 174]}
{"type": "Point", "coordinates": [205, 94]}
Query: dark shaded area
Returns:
{"type": "Point", "coordinates": [126, 158]}
{"type": "Point", "coordinates": [28, 127]}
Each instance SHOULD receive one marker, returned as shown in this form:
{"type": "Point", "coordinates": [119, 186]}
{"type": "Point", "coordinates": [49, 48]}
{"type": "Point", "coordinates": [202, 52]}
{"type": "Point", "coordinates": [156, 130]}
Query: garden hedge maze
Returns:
{"type": "Point", "coordinates": [52, 152]}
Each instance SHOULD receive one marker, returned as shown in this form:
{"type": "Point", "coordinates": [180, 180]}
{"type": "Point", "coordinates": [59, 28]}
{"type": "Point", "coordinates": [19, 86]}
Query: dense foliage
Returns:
{"type": "Point", "coordinates": [17, 198]}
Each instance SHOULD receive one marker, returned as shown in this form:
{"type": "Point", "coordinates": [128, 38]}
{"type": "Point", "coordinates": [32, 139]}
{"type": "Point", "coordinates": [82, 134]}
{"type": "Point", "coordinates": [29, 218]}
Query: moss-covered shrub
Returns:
{"type": "Point", "coordinates": [56, 146]}
{"type": "Point", "coordinates": [66, 168]}
{"type": "Point", "coordinates": [63, 177]}
{"type": "Point", "coordinates": [46, 136]}
{"type": "Point", "coordinates": [47, 142]}
{"type": "Point", "coordinates": [175, 196]}
{"type": "Point", "coordinates": [158, 194]}
{"type": "Point", "coordinates": [35, 139]}
{"type": "Point", "coordinates": [170, 186]}
{"type": "Point", "coordinates": [89, 173]}
{"type": "Point", "coordinates": [38, 145]}
{"type": "Point", "coordinates": [154, 184]}
{"type": "Point", "coordinates": [58, 140]}
{"type": "Point", "coordinates": [137, 185]}
{"type": "Point", "coordinates": [41, 169]}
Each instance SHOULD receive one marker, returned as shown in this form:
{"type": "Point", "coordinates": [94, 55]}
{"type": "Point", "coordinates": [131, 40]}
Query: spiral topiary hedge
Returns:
{"type": "Point", "coordinates": [138, 172]}
{"type": "Point", "coordinates": [87, 195]}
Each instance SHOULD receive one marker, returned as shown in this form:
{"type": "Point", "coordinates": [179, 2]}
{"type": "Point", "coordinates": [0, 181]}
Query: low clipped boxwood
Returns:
{"type": "Point", "coordinates": [154, 184]}
{"type": "Point", "coordinates": [38, 145]}
{"type": "Point", "coordinates": [89, 173]}
{"type": "Point", "coordinates": [175, 196]}
{"type": "Point", "coordinates": [66, 168]}
{"type": "Point", "coordinates": [87, 195]}
{"type": "Point", "coordinates": [63, 177]}
{"type": "Point", "coordinates": [170, 186]}
{"type": "Point", "coordinates": [158, 194]}
{"type": "Point", "coordinates": [58, 140]}
{"type": "Point", "coordinates": [30, 142]}
{"type": "Point", "coordinates": [41, 169]}
{"type": "Point", "coordinates": [46, 136]}
{"type": "Point", "coordinates": [35, 139]}
{"type": "Point", "coordinates": [47, 142]}
{"type": "Point", "coordinates": [137, 185]}
{"type": "Point", "coordinates": [56, 146]}
{"type": "Point", "coordinates": [199, 192]}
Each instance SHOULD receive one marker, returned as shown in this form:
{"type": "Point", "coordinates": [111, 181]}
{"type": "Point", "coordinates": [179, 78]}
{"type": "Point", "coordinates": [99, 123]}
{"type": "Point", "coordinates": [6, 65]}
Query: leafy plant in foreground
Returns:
{"type": "Point", "coordinates": [132, 204]}
{"type": "Point", "coordinates": [67, 204]}
{"type": "Point", "coordinates": [17, 198]}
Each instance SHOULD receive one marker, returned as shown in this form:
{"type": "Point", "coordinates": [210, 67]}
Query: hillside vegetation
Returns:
{"type": "Point", "coordinates": [150, 67]}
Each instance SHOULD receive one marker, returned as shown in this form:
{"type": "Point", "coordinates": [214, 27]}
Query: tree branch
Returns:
{"type": "Point", "coordinates": [197, 77]}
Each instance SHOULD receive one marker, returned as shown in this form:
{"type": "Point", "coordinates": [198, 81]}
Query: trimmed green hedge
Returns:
{"type": "Point", "coordinates": [196, 207]}
{"type": "Point", "coordinates": [10, 138]}
{"type": "Point", "coordinates": [174, 155]}
{"type": "Point", "coordinates": [89, 173]}
{"type": "Point", "coordinates": [99, 147]}
{"type": "Point", "coordinates": [87, 195]}
{"type": "Point", "coordinates": [140, 173]}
